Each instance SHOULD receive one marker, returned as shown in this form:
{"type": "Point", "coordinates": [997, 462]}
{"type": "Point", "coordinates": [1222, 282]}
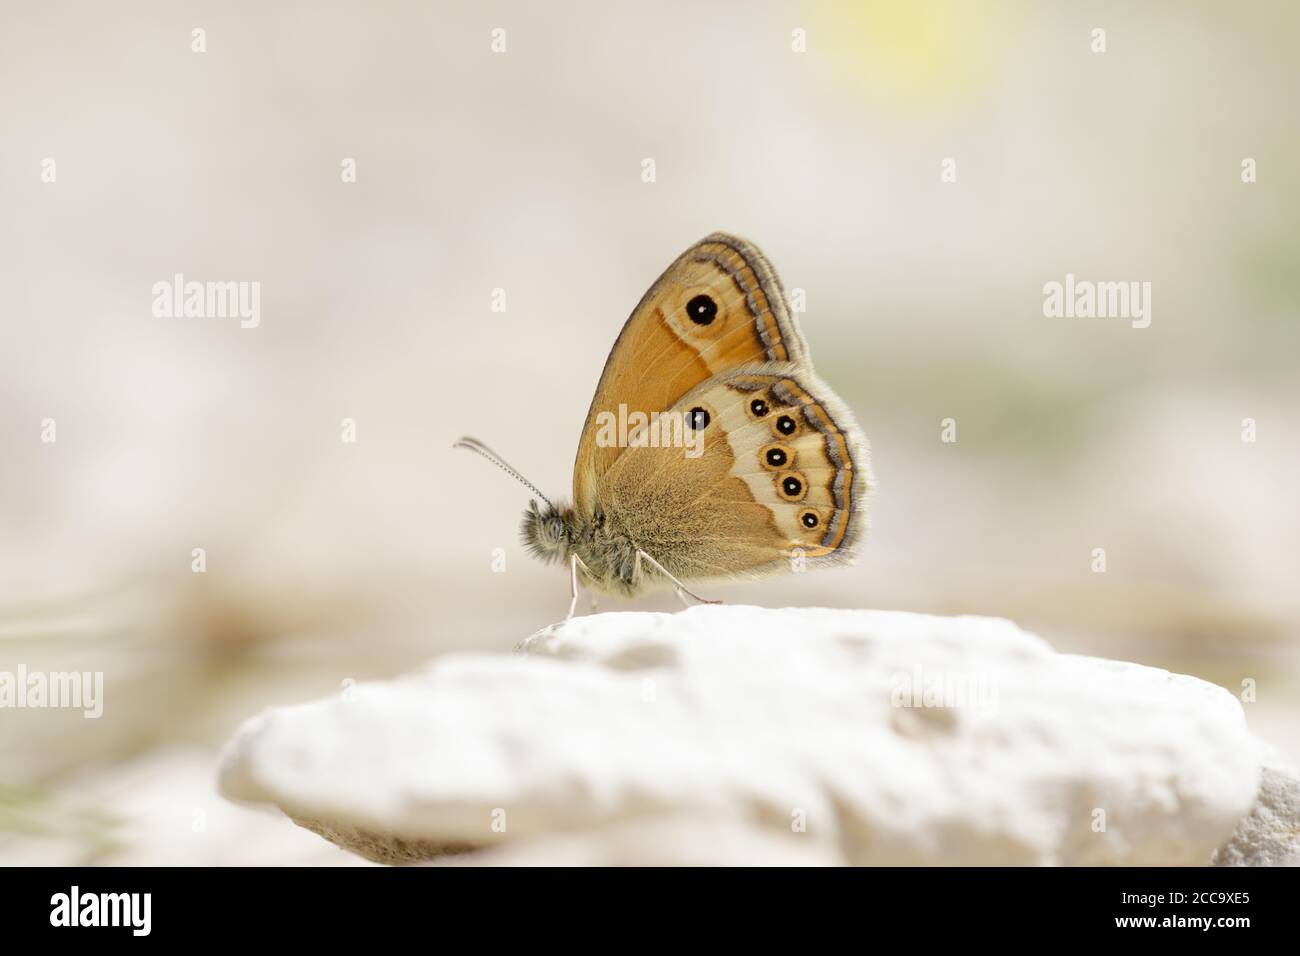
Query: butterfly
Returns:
{"type": "Point", "coordinates": [711, 449]}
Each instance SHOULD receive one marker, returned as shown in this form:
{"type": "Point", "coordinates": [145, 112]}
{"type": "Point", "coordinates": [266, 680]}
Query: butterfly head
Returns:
{"type": "Point", "coordinates": [549, 533]}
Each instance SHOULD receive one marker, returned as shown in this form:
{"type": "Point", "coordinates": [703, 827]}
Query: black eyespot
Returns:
{"type": "Point", "coordinates": [809, 519]}
{"type": "Point", "coordinates": [758, 407]}
{"type": "Point", "coordinates": [697, 419]}
{"type": "Point", "coordinates": [776, 457]}
{"type": "Point", "coordinates": [785, 425]}
{"type": "Point", "coordinates": [701, 310]}
{"type": "Point", "coordinates": [791, 486]}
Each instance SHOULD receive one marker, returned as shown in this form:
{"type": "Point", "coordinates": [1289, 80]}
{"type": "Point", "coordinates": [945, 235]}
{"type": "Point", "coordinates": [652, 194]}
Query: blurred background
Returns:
{"type": "Point", "coordinates": [329, 561]}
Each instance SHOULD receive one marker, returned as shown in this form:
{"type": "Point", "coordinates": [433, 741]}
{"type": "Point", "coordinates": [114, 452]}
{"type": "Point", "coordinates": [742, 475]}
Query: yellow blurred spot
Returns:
{"type": "Point", "coordinates": [916, 49]}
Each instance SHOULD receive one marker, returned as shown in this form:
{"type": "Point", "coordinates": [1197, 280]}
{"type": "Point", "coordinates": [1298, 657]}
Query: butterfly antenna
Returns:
{"type": "Point", "coordinates": [474, 445]}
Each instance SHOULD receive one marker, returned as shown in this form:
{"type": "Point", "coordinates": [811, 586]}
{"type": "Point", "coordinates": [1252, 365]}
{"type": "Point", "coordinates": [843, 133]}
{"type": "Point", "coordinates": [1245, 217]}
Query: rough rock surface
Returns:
{"type": "Point", "coordinates": [745, 735]}
{"type": "Point", "coordinates": [1270, 834]}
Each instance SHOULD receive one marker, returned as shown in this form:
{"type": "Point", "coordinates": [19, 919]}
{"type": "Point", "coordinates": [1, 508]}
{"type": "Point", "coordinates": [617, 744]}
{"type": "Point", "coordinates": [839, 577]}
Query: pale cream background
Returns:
{"type": "Point", "coordinates": [522, 171]}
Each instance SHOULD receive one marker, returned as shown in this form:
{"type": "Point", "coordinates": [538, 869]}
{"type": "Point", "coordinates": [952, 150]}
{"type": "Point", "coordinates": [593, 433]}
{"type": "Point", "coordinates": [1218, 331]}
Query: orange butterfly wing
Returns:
{"type": "Point", "coordinates": [719, 306]}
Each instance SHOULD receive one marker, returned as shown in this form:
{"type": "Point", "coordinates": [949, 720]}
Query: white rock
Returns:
{"type": "Point", "coordinates": [1270, 834]}
{"type": "Point", "coordinates": [865, 737]}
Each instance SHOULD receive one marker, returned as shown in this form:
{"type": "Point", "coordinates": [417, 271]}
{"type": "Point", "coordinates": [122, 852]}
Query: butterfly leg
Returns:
{"type": "Point", "coordinates": [681, 589]}
{"type": "Point", "coordinates": [573, 586]}
{"type": "Point", "coordinates": [574, 564]}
